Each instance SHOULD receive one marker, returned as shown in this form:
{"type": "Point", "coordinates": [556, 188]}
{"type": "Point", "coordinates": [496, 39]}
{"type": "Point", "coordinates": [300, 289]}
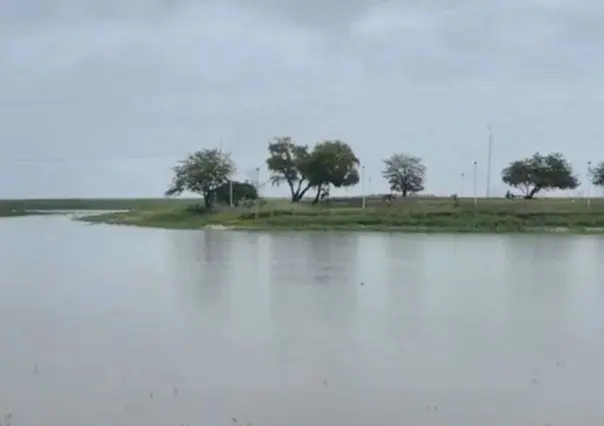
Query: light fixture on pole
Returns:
{"type": "Point", "coordinates": [461, 188]}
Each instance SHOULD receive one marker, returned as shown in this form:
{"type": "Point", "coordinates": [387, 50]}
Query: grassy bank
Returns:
{"type": "Point", "coordinates": [28, 207]}
{"type": "Point", "coordinates": [14, 213]}
{"type": "Point", "coordinates": [93, 203]}
{"type": "Point", "coordinates": [4, 213]}
{"type": "Point", "coordinates": [417, 215]}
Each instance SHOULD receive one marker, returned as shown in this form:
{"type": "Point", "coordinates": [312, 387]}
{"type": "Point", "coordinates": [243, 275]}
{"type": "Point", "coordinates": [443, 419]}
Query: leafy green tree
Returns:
{"type": "Point", "coordinates": [202, 173]}
{"type": "Point", "coordinates": [596, 174]}
{"type": "Point", "coordinates": [289, 162]}
{"type": "Point", "coordinates": [332, 163]}
{"type": "Point", "coordinates": [241, 191]}
{"type": "Point", "coordinates": [329, 163]}
{"type": "Point", "coordinates": [540, 173]}
{"type": "Point", "coordinates": [405, 173]}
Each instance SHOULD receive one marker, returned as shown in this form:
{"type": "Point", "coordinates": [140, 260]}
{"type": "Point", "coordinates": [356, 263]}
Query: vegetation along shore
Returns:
{"type": "Point", "coordinates": [414, 214]}
{"type": "Point", "coordinates": [310, 174]}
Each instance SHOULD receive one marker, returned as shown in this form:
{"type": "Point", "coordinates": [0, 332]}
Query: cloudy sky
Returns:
{"type": "Point", "coordinates": [101, 98]}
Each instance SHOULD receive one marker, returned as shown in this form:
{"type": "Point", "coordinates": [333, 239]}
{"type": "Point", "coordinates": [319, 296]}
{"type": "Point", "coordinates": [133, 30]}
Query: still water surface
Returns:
{"type": "Point", "coordinates": [116, 326]}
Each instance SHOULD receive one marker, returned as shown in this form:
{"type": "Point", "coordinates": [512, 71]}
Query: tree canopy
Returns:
{"type": "Point", "coordinates": [329, 163]}
{"type": "Point", "coordinates": [289, 163]}
{"type": "Point", "coordinates": [202, 173]}
{"type": "Point", "coordinates": [332, 163]}
{"type": "Point", "coordinates": [540, 173]}
{"type": "Point", "coordinates": [241, 191]}
{"type": "Point", "coordinates": [596, 174]}
{"type": "Point", "coordinates": [405, 173]}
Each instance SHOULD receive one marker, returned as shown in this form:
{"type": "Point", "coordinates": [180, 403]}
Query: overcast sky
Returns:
{"type": "Point", "coordinates": [101, 98]}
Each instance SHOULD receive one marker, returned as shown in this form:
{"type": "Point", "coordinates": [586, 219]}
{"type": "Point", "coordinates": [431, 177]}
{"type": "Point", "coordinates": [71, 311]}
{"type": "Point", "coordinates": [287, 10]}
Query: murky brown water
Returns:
{"type": "Point", "coordinates": [123, 326]}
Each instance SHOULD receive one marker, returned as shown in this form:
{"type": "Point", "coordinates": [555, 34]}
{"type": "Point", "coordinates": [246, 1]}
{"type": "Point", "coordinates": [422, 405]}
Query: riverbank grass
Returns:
{"type": "Point", "coordinates": [414, 214]}
{"type": "Point", "coordinates": [444, 217]}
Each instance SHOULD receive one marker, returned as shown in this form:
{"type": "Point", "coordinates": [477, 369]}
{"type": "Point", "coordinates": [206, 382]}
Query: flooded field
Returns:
{"type": "Point", "coordinates": [126, 326]}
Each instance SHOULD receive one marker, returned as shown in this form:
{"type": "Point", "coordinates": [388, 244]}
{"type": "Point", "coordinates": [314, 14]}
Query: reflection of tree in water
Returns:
{"type": "Point", "coordinates": [404, 275]}
{"type": "Point", "coordinates": [202, 271]}
{"type": "Point", "coordinates": [587, 286]}
{"type": "Point", "coordinates": [539, 276]}
{"type": "Point", "coordinates": [313, 286]}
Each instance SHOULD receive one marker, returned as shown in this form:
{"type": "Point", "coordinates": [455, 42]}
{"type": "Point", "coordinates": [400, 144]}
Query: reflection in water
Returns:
{"type": "Point", "coordinates": [313, 291]}
{"type": "Point", "coordinates": [401, 271]}
{"type": "Point", "coordinates": [277, 329]}
{"type": "Point", "coordinates": [542, 276]}
{"type": "Point", "coordinates": [307, 274]}
{"type": "Point", "coordinates": [205, 290]}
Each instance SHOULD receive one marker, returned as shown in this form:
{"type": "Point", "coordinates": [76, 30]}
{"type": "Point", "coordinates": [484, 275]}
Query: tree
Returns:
{"type": "Point", "coordinates": [332, 163]}
{"type": "Point", "coordinates": [288, 162]}
{"type": "Point", "coordinates": [405, 173]}
{"type": "Point", "coordinates": [202, 172]}
{"type": "Point", "coordinates": [540, 173]}
{"type": "Point", "coordinates": [241, 191]}
{"type": "Point", "coordinates": [596, 174]}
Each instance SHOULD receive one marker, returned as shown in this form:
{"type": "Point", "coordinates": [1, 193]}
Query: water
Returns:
{"type": "Point", "coordinates": [123, 326]}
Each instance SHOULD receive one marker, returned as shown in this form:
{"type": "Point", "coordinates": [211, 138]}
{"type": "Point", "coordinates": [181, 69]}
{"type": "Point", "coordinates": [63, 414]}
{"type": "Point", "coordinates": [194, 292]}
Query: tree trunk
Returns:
{"type": "Point", "coordinates": [300, 194]}
{"type": "Point", "coordinates": [208, 198]}
{"type": "Point", "coordinates": [531, 194]}
{"type": "Point", "coordinates": [316, 200]}
{"type": "Point", "coordinates": [405, 192]}
{"type": "Point", "coordinates": [294, 193]}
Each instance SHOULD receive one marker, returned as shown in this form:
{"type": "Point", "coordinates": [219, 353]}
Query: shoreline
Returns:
{"type": "Point", "coordinates": [426, 215]}
{"type": "Point", "coordinates": [223, 222]}
{"type": "Point", "coordinates": [392, 230]}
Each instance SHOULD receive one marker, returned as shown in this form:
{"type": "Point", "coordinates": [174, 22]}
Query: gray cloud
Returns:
{"type": "Point", "coordinates": [101, 98]}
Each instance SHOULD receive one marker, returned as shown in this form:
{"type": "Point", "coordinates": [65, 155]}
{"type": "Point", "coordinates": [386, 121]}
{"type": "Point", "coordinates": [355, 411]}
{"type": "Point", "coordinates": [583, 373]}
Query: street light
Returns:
{"type": "Point", "coordinates": [257, 191]}
{"type": "Point", "coordinates": [231, 193]}
{"type": "Point", "coordinates": [364, 202]}
{"type": "Point", "coordinates": [588, 185]}
{"type": "Point", "coordinates": [461, 188]}
{"type": "Point", "coordinates": [489, 158]}
{"type": "Point", "coordinates": [475, 186]}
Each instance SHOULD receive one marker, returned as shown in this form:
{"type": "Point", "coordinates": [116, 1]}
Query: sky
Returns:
{"type": "Point", "coordinates": [102, 98]}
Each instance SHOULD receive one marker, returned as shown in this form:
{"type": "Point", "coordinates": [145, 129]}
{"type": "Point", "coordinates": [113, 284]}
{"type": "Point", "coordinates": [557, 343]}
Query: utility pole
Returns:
{"type": "Point", "coordinates": [489, 158]}
{"type": "Point", "coordinates": [215, 189]}
{"type": "Point", "coordinates": [588, 185]}
{"type": "Point", "coordinates": [364, 202]}
{"type": "Point", "coordinates": [257, 191]}
{"type": "Point", "coordinates": [475, 186]}
{"type": "Point", "coordinates": [220, 150]}
{"type": "Point", "coordinates": [231, 193]}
